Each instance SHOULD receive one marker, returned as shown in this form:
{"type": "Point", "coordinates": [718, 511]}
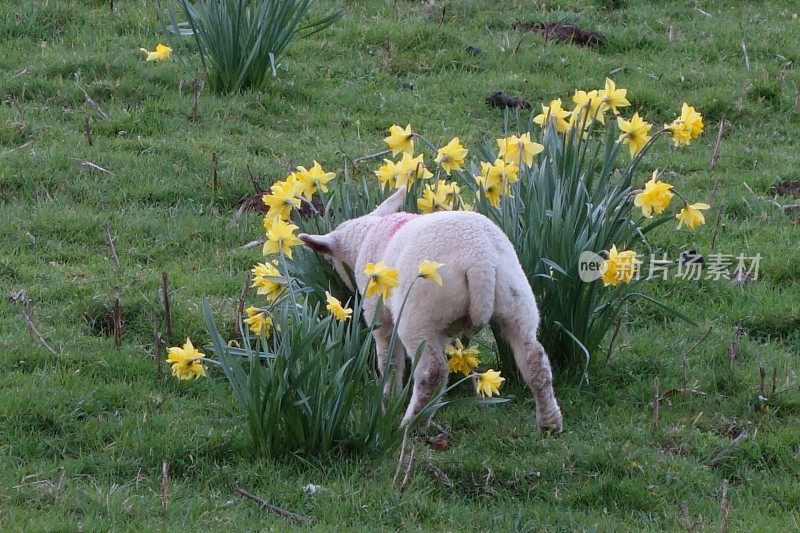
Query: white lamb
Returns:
{"type": "Point", "coordinates": [482, 280]}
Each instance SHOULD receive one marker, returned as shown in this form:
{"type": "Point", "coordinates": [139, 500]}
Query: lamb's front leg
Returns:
{"type": "Point", "coordinates": [394, 381]}
{"type": "Point", "coordinates": [383, 335]}
{"type": "Point", "coordinates": [430, 373]}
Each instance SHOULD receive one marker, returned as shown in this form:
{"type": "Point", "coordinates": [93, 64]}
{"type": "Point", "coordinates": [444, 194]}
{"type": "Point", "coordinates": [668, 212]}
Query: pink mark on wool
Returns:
{"type": "Point", "coordinates": [398, 221]}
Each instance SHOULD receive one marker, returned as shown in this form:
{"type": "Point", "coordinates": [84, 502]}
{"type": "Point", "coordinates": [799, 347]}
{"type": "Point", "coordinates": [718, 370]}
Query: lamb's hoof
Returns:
{"type": "Point", "coordinates": [439, 442]}
{"type": "Point", "coordinates": [550, 423]}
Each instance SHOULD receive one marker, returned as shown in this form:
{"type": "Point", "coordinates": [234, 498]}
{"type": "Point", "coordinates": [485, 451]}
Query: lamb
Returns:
{"type": "Point", "coordinates": [482, 281]}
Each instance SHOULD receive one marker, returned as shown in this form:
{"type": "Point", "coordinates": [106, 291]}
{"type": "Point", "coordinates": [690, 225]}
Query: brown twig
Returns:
{"type": "Point", "coordinates": [727, 450]}
{"type": "Point", "coordinates": [440, 476]}
{"type": "Point", "coordinates": [746, 57]}
{"type": "Point", "coordinates": [707, 14]}
{"type": "Point", "coordinates": [269, 506]}
{"type": "Point", "coordinates": [253, 244]}
{"type": "Point", "coordinates": [214, 166]}
{"type": "Point", "coordinates": [656, 400]}
{"type": "Point", "coordinates": [370, 156]}
{"type": "Point", "coordinates": [116, 320]}
{"type": "Point", "coordinates": [687, 518]}
{"type": "Point", "coordinates": [774, 379]}
{"type": "Point", "coordinates": [519, 43]}
{"type": "Point", "coordinates": [733, 347]}
{"type": "Point", "coordinates": [164, 487]}
{"type": "Point", "coordinates": [407, 476]}
{"type": "Point", "coordinates": [402, 456]}
{"type": "Point", "coordinates": [716, 225]}
{"type": "Point", "coordinates": [685, 358]}
{"type": "Point", "coordinates": [715, 189]}
{"type": "Point", "coordinates": [797, 98]}
{"type": "Point", "coordinates": [157, 351]}
{"type": "Point", "coordinates": [21, 297]}
{"type": "Point", "coordinates": [742, 95]}
{"type": "Point", "coordinates": [762, 374]}
{"type": "Point", "coordinates": [93, 166]}
{"type": "Point", "coordinates": [715, 153]}
{"type": "Point", "coordinates": [18, 74]}
{"type": "Point", "coordinates": [672, 392]}
{"type": "Point", "coordinates": [87, 130]}
{"type": "Point", "coordinates": [94, 105]}
{"type": "Point", "coordinates": [242, 299]}
{"type": "Point", "coordinates": [197, 88]}
{"type": "Point", "coordinates": [167, 310]}
{"type": "Point", "coordinates": [613, 338]}
{"type": "Point", "coordinates": [254, 180]}
{"type": "Point", "coordinates": [487, 482]}
{"type": "Point", "coordinates": [111, 244]}
{"type": "Point", "coordinates": [725, 507]}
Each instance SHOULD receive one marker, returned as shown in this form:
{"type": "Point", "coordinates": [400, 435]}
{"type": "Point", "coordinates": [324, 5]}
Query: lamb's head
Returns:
{"type": "Point", "coordinates": [343, 244]}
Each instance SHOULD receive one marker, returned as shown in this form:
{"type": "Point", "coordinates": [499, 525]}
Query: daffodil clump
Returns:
{"type": "Point", "coordinates": [537, 186]}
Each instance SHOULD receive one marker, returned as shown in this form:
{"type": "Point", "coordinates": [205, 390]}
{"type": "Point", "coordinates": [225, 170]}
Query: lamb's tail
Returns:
{"type": "Point", "coordinates": [481, 285]}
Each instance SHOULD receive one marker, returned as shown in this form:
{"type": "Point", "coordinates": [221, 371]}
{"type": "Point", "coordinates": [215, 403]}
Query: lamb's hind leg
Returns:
{"type": "Point", "coordinates": [430, 373]}
{"type": "Point", "coordinates": [520, 330]}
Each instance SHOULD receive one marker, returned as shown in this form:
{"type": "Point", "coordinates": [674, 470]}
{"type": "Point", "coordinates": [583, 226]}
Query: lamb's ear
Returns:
{"type": "Point", "coordinates": [393, 204]}
{"type": "Point", "coordinates": [324, 244]}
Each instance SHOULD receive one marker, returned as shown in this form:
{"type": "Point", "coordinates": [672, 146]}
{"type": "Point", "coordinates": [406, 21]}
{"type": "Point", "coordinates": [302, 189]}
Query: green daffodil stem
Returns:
{"type": "Point", "coordinates": [427, 143]}
{"type": "Point", "coordinates": [682, 197]}
{"type": "Point", "coordinates": [310, 204]}
{"type": "Point", "coordinates": [638, 157]}
{"type": "Point", "coordinates": [288, 280]}
{"type": "Point", "coordinates": [393, 339]}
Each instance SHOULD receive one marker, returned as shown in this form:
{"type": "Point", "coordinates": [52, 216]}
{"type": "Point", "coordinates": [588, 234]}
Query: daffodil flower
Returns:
{"type": "Point", "coordinates": [488, 383]}
{"type": "Point", "coordinates": [281, 238]}
{"type": "Point", "coordinates": [692, 215]}
{"type": "Point", "coordinates": [161, 53]}
{"type": "Point", "coordinates": [655, 198]}
{"type": "Point", "coordinates": [258, 321]}
{"type": "Point", "coordinates": [461, 359]}
{"type": "Point", "coordinates": [516, 150]}
{"type": "Point", "coordinates": [451, 156]}
{"type": "Point", "coordinates": [268, 280]}
{"type": "Point", "coordinates": [186, 361]}
{"type": "Point", "coordinates": [635, 132]}
{"type": "Point", "coordinates": [428, 270]}
{"type": "Point", "coordinates": [620, 267]}
{"type": "Point", "coordinates": [613, 97]}
{"type": "Point", "coordinates": [336, 308]}
{"type": "Point", "coordinates": [382, 279]}
{"type": "Point", "coordinates": [400, 140]}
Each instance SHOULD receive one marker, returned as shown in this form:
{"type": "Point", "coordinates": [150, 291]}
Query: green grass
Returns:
{"type": "Point", "coordinates": [83, 435]}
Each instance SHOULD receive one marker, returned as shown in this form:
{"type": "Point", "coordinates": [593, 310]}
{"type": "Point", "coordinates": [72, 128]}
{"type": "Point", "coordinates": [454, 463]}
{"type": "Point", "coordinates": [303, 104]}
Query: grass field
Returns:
{"type": "Point", "coordinates": [83, 434]}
